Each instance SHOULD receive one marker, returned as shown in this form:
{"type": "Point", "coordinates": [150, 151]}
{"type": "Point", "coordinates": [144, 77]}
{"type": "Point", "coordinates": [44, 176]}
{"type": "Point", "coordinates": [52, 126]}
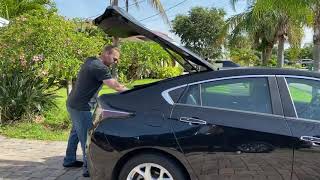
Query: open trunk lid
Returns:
{"type": "Point", "coordinates": [116, 22]}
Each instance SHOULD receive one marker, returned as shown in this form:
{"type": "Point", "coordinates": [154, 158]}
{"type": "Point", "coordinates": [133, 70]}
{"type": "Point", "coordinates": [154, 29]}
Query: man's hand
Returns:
{"type": "Point", "coordinates": [114, 84]}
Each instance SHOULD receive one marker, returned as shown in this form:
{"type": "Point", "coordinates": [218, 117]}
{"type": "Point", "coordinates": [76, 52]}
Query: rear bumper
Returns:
{"type": "Point", "coordinates": [101, 163]}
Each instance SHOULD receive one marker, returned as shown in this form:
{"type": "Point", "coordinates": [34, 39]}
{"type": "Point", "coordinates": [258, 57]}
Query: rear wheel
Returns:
{"type": "Point", "coordinates": [151, 167]}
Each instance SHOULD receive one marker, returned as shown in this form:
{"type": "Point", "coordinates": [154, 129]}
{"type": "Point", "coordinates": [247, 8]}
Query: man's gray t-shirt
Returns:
{"type": "Point", "coordinates": [89, 80]}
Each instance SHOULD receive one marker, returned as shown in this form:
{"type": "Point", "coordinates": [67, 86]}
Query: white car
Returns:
{"type": "Point", "coordinates": [306, 62]}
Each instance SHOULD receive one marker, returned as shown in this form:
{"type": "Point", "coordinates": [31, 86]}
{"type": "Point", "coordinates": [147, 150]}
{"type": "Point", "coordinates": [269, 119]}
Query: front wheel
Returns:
{"type": "Point", "coordinates": [151, 167]}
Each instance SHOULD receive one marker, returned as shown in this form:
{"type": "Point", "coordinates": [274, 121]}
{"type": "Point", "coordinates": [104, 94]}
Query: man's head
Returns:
{"type": "Point", "coordinates": [110, 55]}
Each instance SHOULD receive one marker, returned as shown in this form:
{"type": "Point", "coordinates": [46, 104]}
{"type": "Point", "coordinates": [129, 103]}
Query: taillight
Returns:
{"type": "Point", "coordinates": [108, 112]}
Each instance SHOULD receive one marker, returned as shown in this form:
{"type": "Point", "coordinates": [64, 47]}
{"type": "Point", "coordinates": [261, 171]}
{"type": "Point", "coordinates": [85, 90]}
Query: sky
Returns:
{"type": "Point", "coordinates": [90, 9]}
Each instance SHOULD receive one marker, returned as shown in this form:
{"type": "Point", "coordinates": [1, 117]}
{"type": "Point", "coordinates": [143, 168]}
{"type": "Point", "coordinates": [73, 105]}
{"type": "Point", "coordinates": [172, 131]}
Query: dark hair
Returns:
{"type": "Point", "coordinates": [109, 48]}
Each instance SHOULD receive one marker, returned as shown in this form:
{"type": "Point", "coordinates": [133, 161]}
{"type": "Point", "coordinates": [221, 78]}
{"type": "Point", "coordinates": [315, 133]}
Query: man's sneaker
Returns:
{"type": "Point", "coordinates": [74, 164]}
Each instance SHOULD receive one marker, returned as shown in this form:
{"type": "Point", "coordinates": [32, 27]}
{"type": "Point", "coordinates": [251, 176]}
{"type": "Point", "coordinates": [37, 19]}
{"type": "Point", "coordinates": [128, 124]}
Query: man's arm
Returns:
{"type": "Point", "coordinates": [114, 84]}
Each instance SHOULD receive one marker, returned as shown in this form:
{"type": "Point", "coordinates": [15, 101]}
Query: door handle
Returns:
{"type": "Point", "coordinates": [314, 140]}
{"type": "Point", "coordinates": [192, 120]}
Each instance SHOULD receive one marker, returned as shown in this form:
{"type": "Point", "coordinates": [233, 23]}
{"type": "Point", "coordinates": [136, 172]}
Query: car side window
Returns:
{"type": "Point", "coordinates": [305, 95]}
{"type": "Point", "coordinates": [175, 94]}
{"type": "Point", "coordinates": [247, 94]}
{"type": "Point", "coordinates": [191, 96]}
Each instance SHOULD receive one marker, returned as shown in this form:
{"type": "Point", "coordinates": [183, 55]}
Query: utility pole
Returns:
{"type": "Point", "coordinates": [115, 39]}
{"type": "Point", "coordinates": [115, 42]}
{"type": "Point", "coordinates": [127, 5]}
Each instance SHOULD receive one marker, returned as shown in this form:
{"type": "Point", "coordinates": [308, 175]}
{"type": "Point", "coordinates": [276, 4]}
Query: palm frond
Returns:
{"type": "Point", "coordinates": [156, 4]}
{"type": "Point", "coordinates": [295, 34]}
{"type": "Point", "coordinates": [136, 3]}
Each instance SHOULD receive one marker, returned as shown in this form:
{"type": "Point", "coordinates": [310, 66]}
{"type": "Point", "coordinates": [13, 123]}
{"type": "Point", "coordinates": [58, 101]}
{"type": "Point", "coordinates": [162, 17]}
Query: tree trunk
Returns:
{"type": "Point", "coordinates": [0, 115]}
{"type": "Point", "coordinates": [115, 2]}
{"type": "Point", "coordinates": [316, 41]}
{"type": "Point", "coordinates": [282, 40]}
{"type": "Point", "coordinates": [263, 56]}
{"type": "Point", "coordinates": [114, 69]}
{"type": "Point", "coordinates": [115, 42]}
{"type": "Point", "coordinates": [127, 5]}
{"type": "Point", "coordinates": [266, 55]}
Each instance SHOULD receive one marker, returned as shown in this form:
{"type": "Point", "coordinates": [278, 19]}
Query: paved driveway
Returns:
{"type": "Point", "coordinates": [31, 159]}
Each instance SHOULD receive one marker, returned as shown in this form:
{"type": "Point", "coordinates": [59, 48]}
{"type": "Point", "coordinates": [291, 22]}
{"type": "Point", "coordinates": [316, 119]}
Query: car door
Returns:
{"type": "Point", "coordinates": [302, 104]}
{"type": "Point", "coordinates": [234, 128]}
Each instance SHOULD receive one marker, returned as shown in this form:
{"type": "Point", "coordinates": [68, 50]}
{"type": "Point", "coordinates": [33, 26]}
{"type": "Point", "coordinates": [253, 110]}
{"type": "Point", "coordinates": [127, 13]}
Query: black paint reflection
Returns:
{"type": "Point", "coordinates": [219, 152]}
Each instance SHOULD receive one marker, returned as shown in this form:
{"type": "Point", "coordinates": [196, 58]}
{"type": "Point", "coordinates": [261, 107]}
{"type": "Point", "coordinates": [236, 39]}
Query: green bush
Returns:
{"type": "Point", "coordinates": [24, 94]}
{"type": "Point", "coordinates": [26, 89]}
{"type": "Point", "coordinates": [244, 57]}
{"type": "Point", "coordinates": [37, 51]}
{"type": "Point", "coordinates": [168, 72]}
{"type": "Point", "coordinates": [61, 44]}
{"type": "Point", "coordinates": [140, 60]}
{"type": "Point", "coordinates": [272, 61]}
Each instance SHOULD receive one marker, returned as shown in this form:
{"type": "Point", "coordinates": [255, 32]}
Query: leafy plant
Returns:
{"type": "Point", "coordinates": [167, 72]}
{"type": "Point", "coordinates": [25, 89]}
{"type": "Point", "coordinates": [202, 30]}
{"type": "Point", "coordinates": [244, 57]}
{"type": "Point", "coordinates": [141, 60]}
{"type": "Point", "coordinates": [59, 42]}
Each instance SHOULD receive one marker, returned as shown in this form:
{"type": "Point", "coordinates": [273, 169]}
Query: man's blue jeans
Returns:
{"type": "Point", "coordinates": [81, 123]}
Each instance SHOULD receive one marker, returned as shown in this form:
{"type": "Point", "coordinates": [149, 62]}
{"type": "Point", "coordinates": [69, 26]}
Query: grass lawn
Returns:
{"type": "Point", "coordinates": [238, 89]}
{"type": "Point", "coordinates": [300, 95]}
{"type": "Point", "coordinates": [55, 125]}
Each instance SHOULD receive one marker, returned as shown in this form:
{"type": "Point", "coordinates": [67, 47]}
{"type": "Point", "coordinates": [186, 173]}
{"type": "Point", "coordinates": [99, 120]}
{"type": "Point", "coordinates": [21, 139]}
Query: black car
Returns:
{"type": "Point", "coordinates": [229, 124]}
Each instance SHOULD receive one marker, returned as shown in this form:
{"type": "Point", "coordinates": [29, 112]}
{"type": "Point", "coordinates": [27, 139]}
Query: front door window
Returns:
{"type": "Point", "coordinates": [247, 94]}
{"type": "Point", "coordinates": [305, 95]}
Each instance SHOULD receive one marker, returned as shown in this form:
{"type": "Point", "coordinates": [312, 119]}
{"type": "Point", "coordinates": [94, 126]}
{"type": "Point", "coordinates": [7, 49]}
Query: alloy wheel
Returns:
{"type": "Point", "coordinates": [149, 171]}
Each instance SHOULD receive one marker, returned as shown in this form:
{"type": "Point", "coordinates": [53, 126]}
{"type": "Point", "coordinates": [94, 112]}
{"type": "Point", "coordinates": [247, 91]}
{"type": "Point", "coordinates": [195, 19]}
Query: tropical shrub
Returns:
{"type": "Point", "coordinates": [244, 57]}
{"type": "Point", "coordinates": [60, 42]}
{"type": "Point", "coordinates": [167, 72]}
{"type": "Point", "coordinates": [25, 88]}
{"type": "Point", "coordinates": [272, 61]}
{"type": "Point", "coordinates": [38, 51]}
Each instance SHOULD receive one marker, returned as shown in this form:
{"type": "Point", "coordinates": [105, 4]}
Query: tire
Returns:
{"type": "Point", "coordinates": [156, 161]}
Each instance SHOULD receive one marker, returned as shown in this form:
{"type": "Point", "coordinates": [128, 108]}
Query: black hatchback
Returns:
{"type": "Point", "coordinates": [229, 124]}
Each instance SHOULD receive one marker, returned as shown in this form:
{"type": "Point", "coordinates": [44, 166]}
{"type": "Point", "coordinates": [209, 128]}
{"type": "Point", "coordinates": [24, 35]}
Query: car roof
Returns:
{"type": "Point", "coordinates": [234, 72]}
{"type": "Point", "coordinates": [241, 71]}
{"type": "Point", "coordinates": [268, 71]}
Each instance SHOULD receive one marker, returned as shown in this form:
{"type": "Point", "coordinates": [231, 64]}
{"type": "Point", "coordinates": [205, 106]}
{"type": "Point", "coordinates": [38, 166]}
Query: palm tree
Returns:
{"type": "Point", "coordinates": [309, 9]}
{"type": "Point", "coordinates": [261, 31]}
{"type": "Point", "coordinates": [287, 29]}
{"type": "Point", "coordinates": [270, 27]}
{"type": "Point", "coordinates": [12, 8]}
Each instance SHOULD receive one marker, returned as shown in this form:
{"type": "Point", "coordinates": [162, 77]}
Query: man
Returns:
{"type": "Point", "coordinates": [92, 75]}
